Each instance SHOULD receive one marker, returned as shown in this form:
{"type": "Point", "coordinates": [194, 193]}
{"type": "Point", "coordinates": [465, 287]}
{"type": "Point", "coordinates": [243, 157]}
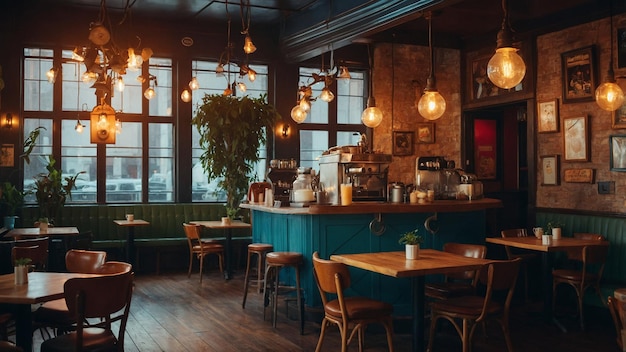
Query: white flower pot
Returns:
{"type": "Point", "coordinates": [556, 233]}
{"type": "Point", "coordinates": [412, 251]}
{"type": "Point", "coordinates": [546, 240]}
{"type": "Point", "coordinates": [21, 274]}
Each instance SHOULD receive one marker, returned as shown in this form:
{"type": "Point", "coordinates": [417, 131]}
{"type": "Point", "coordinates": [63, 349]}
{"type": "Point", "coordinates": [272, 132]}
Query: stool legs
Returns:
{"type": "Point", "coordinates": [270, 295]}
{"type": "Point", "coordinates": [260, 253]}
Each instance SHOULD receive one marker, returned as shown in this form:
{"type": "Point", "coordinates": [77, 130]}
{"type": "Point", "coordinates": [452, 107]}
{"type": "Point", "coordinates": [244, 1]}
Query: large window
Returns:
{"type": "Point", "coordinates": [212, 83]}
{"type": "Point", "coordinates": [37, 91]}
{"type": "Point", "coordinates": [334, 123]}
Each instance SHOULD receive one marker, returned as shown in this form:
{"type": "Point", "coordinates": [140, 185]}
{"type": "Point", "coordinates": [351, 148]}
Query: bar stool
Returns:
{"type": "Point", "coordinates": [274, 262]}
{"type": "Point", "coordinates": [260, 249]}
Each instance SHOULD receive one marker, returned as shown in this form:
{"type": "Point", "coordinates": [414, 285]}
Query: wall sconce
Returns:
{"type": "Point", "coordinates": [8, 121]}
{"type": "Point", "coordinates": [285, 130]}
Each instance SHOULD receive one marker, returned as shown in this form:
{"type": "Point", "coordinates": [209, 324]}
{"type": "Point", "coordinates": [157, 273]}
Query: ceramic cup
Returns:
{"type": "Point", "coordinates": [538, 231]}
{"type": "Point", "coordinates": [130, 217]}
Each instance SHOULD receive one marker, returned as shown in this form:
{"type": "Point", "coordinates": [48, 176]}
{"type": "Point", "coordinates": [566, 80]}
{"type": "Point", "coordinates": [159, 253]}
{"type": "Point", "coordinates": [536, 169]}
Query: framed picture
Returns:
{"type": "Point", "coordinates": [550, 170]}
{"type": "Point", "coordinates": [403, 143]}
{"type": "Point", "coordinates": [548, 116]}
{"type": "Point", "coordinates": [425, 133]}
{"type": "Point", "coordinates": [575, 139]}
{"type": "Point", "coordinates": [618, 118]}
{"type": "Point", "coordinates": [621, 47]}
{"type": "Point", "coordinates": [579, 75]}
{"type": "Point", "coordinates": [481, 85]}
{"type": "Point", "coordinates": [617, 145]}
{"type": "Point", "coordinates": [7, 155]}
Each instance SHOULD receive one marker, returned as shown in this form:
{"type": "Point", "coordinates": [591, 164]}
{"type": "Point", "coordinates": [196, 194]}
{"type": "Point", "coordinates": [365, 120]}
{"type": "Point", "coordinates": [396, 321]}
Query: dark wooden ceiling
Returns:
{"type": "Point", "coordinates": [309, 27]}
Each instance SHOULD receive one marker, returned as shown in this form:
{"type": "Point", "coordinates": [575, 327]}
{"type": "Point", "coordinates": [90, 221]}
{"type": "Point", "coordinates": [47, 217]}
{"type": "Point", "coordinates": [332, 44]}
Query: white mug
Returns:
{"type": "Point", "coordinates": [538, 231]}
{"type": "Point", "coordinates": [130, 217]}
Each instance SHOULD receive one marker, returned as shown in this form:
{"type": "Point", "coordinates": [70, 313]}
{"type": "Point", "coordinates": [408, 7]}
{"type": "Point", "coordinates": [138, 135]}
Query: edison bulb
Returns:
{"type": "Point", "coordinates": [609, 96]}
{"type": "Point", "coordinates": [372, 117]}
{"type": "Point", "coordinates": [327, 95]}
{"type": "Point", "coordinates": [431, 105]}
{"type": "Point", "coordinates": [185, 96]}
{"type": "Point", "coordinates": [506, 68]}
{"type": "Point", "coordinates": [298, 114]}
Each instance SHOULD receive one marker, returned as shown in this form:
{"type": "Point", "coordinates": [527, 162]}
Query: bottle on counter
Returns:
{"type": "Point", "coordinates": [302, 191]}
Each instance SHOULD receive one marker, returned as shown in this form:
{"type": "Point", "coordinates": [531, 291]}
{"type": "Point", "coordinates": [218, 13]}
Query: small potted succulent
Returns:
{"type": "Point", "coordinates": [412, 241]}
{"type": "Point", "coordinates": [20, 270]}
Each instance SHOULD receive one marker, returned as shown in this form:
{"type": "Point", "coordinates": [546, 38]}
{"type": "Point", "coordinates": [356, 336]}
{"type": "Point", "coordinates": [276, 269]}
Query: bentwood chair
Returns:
{"type": "Point", "coordinates": [201, 248]}
{"type": "Point", "coordinates": [96, 303]}
{"type": "Point", "coordinates": [466, 312]}
{"type": "Point", "coordinates": [617, 320]}
{"type": "Point", "coordinates": [526, 256]}
{"type": "Point", "coordinates": [588, 276]}
{"type": "Point", "coordinates": [461, 283]}
{"type": "Point", "coordinates": [36, 249]}
{"type": "Point", "coordinates": [332, 280]}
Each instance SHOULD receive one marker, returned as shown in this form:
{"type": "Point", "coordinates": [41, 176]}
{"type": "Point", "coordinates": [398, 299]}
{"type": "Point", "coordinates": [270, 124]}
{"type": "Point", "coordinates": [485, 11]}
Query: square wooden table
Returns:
{"type": "Point", "coordinates": [547, 260]}
{"type": "Point", "coordinates": [32, 232]}
{"type": "Point", "coordinates": [228, 273]}
{"type": "Point", "coordinates": [130, 236]}
{"type": "Point", "coordinates": [41, 287]}
{"type": "Point", "coordinates": [395, 264]}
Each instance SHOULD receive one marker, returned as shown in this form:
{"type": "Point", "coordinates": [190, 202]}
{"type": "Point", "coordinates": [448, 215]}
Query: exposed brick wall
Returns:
{"type": "Point", "coordinates": [412, 67]}
{"type": "Point", "coordinates": [549, 86]}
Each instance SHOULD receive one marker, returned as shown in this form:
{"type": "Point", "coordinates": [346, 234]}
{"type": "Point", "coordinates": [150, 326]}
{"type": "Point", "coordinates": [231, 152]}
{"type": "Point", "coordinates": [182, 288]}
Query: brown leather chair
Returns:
{"type": "Point", "coordinates": [526, 256]}
{"type": "Point", "coordinates": [201, 248]}
{"type": "Point", "coordinates": [332, 279]}
{"type": "Point", "coordinates": [588, 276]}
{"type": "Point", "coordinates": [36, 249]}
{"type": "Point", "coordinates": [96, 303]}
{"type": "Point", "coordinates": [466, 312]}
{"type": "Point", "coordinates": [461, 283]}
{"type": "Point", "coordinates": [617, 320]}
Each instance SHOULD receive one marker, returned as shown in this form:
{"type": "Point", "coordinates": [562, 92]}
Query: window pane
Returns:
{"type": "Point", "coordinates": [350, 99]}
{"type": "Point", "coordinates": [160, 186]}
{"type": "Point", "coordinates": [39, 156]}
{"type": "Point", "coordinates": [76, 95]}
{"type": "Point", "coordinates": [77, 155]}
{"type": "Point", "coordinates": [319, 108]}
{"type": "Point", "coordinates": [129, 100]}
{"type": "Point", "coordinates": [124, 165]}
{"type": "Point", "coordinates": [161, 105]}
{"type": "Point", "coordinates": [312, 144]}
{"type": "Point", "coordinates": [38, 93]}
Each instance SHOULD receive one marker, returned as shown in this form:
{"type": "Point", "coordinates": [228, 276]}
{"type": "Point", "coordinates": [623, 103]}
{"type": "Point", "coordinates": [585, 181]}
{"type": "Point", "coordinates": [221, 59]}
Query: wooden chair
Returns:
{"type": "Point", "coordinates": [333, 278]}
{"type": "Point", "coordinates": [457, 284]}
{"type": "Point", "coordinates": [588, 276]}
{"type": "Point", "coordinates": [617, 320]}
{"type": "Point", "coordinates": [96, 303]}
{"type": "Point", "coordinates": [55, 314]}
{"type": "Point", "coordinates": [497, 276]}
{"type": "Point", "coordinates": [201, 248]}
{"type": "Point", "coordinates": [526, 256]}
{"type": "Point", "coordinates": [36, 249]}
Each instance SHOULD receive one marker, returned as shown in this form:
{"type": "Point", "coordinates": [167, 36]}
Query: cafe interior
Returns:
{"type": "Point", "coordinates": [494, 129]}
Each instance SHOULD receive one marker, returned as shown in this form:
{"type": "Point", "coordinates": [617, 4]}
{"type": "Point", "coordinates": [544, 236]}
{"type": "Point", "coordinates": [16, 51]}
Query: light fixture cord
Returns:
{"type": "Point", "coordinates": [611, 73]}
{"type": "Point", "coordinates": [431, 83]}
{"type": "Point", "coordinates": [370, 83]}
{"type": "Point", "coordinates": [245, 27]}
{"type": "Point", "coordinates": [228, 45]}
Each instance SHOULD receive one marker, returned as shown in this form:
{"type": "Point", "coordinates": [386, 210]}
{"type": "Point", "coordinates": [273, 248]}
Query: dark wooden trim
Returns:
{"type": "Point", "coordinates": [580, 212]}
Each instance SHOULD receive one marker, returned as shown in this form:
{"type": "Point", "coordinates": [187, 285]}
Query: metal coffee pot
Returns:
{"type": "Point", "coordinates": [396, 192]}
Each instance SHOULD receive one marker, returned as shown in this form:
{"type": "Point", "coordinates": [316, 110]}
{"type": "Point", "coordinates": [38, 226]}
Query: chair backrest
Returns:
{"type": "Point", "coordinates": [331, 277]}
{"type": "Point", "coordinates": [508, 233]}
{"type": "Point", "coordinates": [36, 249]}
{"type": "Point", "coordinates": [106, 297]}
{"type": "Point", "coordinates": [466, 250]}
{"type": "Point", "coordinates": [613, 305]}
{"type": "Point", "coordinates": [499, 275]}
{"type": "Point", "coordinates": [114, 267]}
{"type": "Point", "coordinates": [576, 254]}
{"type": "Point", "coordinates": [192, 231]}
{"type": "Point", "coordinates": [594, 259]}
{"type": "Point", "coordinates": [82, 261]}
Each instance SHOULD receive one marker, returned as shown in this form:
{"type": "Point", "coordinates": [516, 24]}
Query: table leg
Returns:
{"type": "Point", "coordinates": [130, 245]}
{"type": "Point", "coordinates": [417, 288]}
{"type": "Point", "coordinates": [547, 262]}
{"type": "Point", "coordinates": [23, 327]}
{"type": "Point", "coordinates": [227, 255]}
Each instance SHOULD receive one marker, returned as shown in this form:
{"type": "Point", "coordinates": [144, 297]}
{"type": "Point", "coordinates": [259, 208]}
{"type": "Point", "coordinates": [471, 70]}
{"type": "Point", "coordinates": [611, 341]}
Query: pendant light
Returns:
{"type": "Point", "coordinates": [609, 95]}
{"type": "Point", "coordinates": [506, 69]}
{"type": "Point", "coordinates": [431, 105]}
{"type": "Point", "coordinates": [371, 116]}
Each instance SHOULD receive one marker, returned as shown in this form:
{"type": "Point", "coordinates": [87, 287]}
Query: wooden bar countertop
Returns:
{"type": "Point", "coordinates": [443, 206]}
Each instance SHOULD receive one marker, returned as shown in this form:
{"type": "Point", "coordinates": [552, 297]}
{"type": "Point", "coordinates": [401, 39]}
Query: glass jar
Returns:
{"type": "Point", "coordinates": [302, 191]}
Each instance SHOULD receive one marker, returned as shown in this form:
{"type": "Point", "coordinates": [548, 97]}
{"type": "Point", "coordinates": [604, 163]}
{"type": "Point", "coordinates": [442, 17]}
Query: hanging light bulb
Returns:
{"type": "Point", "coordinates": [118, 126]}
{"type": "Point", "coordinates": [343, 73]}
{"type": "Point", "coordinates": [431, 105]}
{"type": "Point", "coordinates": [248, 46]}
{"type": "Point", "coordinates": [149, 93]}
{"type": "Point", "coordinates": [119, 84]}
{"type": "Point", "coordinates": [79, 126]}
{"type": "Point", "coordinates": [219, 70]}
{"type": "Point", "coordinates": [242, 86]}
{"type": "Point", "coordinates": [134, 61]}
{"type": "Point", "coordinates": [609, 95]}
{"type": "Point", "coordinates": [305, 105]}
{"type": "Point", "coordinates": [185, 96]}
{"type": "Point", "coordinates": [193, 84]}
{"type": "Point", "coordinates": [298, 114]}
{"type": "Point", "coordinates": [506, 69]}
{"type": "Point", "coordinates": [52, 74]}
{"type": "Point", "coordinates": [327, 95]}
{"type": "Point", "coordinates": [228, 91]}
{"type": "Point", "coordinates": [89, 77]}
{"type": "Point", "coordinates": [78, 54]}
{"type": "Point", "coordinates": [251, 74]}
{"type": "Point", "coordinates": [371, 116]}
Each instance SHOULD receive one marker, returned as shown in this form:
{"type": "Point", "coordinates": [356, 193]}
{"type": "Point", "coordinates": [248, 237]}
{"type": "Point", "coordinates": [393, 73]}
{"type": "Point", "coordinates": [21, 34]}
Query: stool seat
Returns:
{"type": "Point", "coordinates": [259, 249]}
{"type": "Point", "coordinates": [284, 258]}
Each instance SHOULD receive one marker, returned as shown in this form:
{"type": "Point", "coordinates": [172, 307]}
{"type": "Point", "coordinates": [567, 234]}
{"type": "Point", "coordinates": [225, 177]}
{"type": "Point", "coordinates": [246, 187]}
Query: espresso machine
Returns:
{"type": "Point", "coordinates": [429, 173]}
{"type": "Point", "coordinates": [366, 172]}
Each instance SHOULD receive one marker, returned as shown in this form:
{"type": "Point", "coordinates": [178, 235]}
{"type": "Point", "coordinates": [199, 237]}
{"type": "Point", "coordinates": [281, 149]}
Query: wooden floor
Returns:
{"type": "Point", "coordinates": [170, 313]}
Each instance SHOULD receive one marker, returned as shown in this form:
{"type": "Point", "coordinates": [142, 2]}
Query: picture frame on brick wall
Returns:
{"type": "Point", "coordinates": [617, 149]}
{"type": "Point", "coordinates": [576, 138]}
{"type": "Point", "coordinates": [550, 170]}
{"type": "Point", "coordinates": [425, 133]}
{"type": "Point", "coordinates": [403, 143]}
{"type": "Point", "coordinates": [548, 116]}
{"type": "Point", "coordinates": [579, 75]}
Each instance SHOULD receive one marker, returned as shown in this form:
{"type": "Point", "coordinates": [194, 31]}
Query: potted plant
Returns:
{"type": "Point", "coordinates": [231, 131]}
{"type": "Point", "coordinates": [11, 199]}
{"type": "Point", "coordinates": [412, 241]}
{"type": "Point", "coordinates": [20, 270]}
{"type": "Point", "coordinates": [555, 228]}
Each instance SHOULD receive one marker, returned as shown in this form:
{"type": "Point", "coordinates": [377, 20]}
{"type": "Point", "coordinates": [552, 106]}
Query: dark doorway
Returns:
{"type": "Point", "coordinates": [495, 150]}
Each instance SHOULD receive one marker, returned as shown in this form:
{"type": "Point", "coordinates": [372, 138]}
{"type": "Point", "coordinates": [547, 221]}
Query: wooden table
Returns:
{"type": "Point", "coordinates": [547, 260]}
{"type": "Point", "coordinates": [130, 239]}
{"type": "Point", "coordinates": [228, 273]}
{"type": "Point", "coordinates": [31, 232]}
{"type": "Point", "coordinates": [396, 265]}
{"type": "Point", "coordinates": [41, 287]}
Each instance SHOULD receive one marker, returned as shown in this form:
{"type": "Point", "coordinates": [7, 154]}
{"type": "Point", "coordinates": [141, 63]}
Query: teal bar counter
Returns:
{"type": "Point", "coordinates": [366, 227]}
